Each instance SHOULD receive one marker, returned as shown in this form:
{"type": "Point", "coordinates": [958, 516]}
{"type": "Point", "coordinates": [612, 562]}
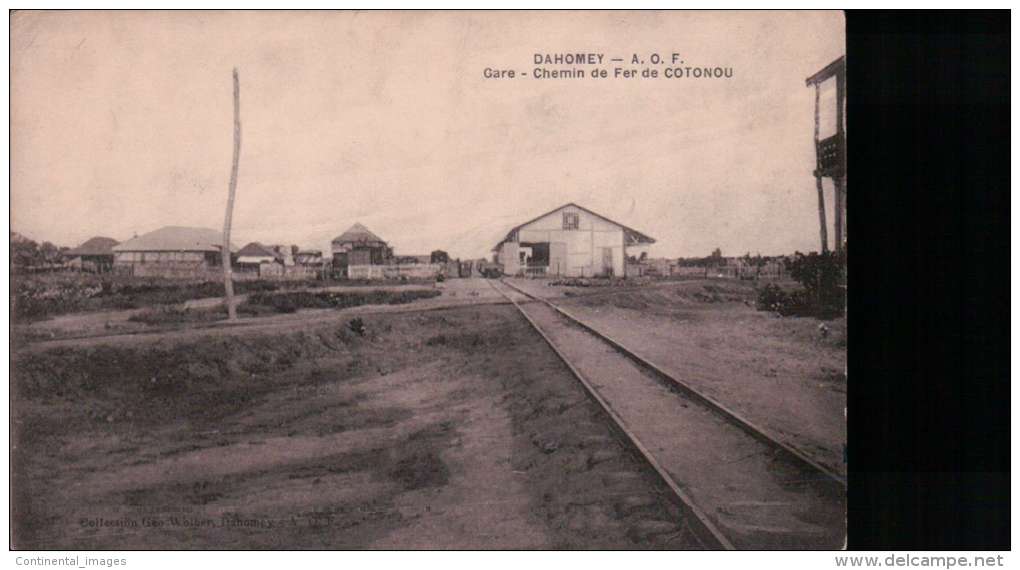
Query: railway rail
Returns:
{"type": "Point", "coordinates": [736, 418]}
{"type": "Point", "coordinates": [738, 486]}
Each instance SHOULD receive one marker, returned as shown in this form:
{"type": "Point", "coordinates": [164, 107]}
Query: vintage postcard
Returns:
{"type": "Point", "coordinates": [428, 280]}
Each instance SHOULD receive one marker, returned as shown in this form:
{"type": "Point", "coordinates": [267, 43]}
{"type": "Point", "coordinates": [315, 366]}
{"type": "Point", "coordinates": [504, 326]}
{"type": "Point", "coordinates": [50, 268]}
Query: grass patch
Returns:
{"type": "Point", "coordinates": [292, 301]}
{"type": "Point", "coordinates": [263, 304]}
{"type": "Point", "coordinates": [35, 297]}
{"type": "Point", "coordinates": [175, 315]}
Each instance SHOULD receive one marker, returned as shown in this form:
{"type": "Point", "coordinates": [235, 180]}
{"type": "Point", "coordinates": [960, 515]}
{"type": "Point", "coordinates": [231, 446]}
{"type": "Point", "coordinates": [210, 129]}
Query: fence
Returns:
{"type": "Point", "coordinates": [771, 271]}
{"type": "Point", "coordinates": [422, 271]}
{"type": "Point", "coordinates": [176, 270]}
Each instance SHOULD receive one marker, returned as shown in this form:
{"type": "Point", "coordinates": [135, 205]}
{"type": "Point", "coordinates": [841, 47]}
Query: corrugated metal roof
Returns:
{"type": "Point", "coordinates": [176, 238]}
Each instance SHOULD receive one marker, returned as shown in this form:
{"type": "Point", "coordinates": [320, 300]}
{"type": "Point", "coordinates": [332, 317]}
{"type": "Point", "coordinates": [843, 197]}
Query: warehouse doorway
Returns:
{"type": "Point", "coordinates": [607, 262]}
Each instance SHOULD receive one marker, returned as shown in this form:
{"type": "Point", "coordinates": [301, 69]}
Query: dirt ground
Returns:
{"type": "Point", "coordinates": [454, 293]}
{"type": "Point", "coordinates": [453, 428]}
{"type": "Point", "coordinates": [782, 373]}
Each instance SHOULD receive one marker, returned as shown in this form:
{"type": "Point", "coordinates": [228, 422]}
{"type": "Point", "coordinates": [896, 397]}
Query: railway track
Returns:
{"type": "Point", "coordinates": [738, 487]}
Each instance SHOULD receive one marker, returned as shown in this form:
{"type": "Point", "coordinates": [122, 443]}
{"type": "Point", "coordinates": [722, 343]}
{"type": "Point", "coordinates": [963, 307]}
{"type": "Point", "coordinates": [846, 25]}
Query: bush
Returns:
{"type": "Point", "coordinates": [290, 302]}
{"type": "Point", "coordinates": [357, 326]}
{"type": "Point", "coordinates": [174, 315]}
{"type": "Point", "coordinates": [281, 303]}
{"type": "Point", "coordinates": [771, 298]}
{"type": "Point", "coordinates": [822, 296]}
{"type": "Point", "coordinates": [40, 296]}
{"type": "Point", "coordinates": [821, 275]}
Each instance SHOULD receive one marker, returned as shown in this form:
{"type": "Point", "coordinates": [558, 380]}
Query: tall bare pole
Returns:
{"type": "Point", "coordinates": [839, 180]}
{"type": "Point", "coordinates": [228, 280]}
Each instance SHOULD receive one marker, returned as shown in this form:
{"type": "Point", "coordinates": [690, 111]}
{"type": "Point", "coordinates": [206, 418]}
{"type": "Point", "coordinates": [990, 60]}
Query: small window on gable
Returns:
{"type": "Point", "coordinates": [571, 220]}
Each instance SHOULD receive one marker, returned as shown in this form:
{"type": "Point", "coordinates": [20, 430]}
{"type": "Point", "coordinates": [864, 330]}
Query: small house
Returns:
{"type": "Point", "coordinates": [308, 257]}
{"type": "Point", "coordinates": [95, 255]}
{"type": "Point", "coordinates": [255, 253]}
{"type": "Point", "coordinates": [358, 247]}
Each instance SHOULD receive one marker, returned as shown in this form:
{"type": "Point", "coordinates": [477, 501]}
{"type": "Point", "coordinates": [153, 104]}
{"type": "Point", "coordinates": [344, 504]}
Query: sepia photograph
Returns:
{"type": "Point", "coordinates": [428, 280]}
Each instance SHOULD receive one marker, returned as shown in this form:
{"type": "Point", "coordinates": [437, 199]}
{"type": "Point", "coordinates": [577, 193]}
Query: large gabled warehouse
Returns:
{"type": "Point", "coordinates": [570, 241]}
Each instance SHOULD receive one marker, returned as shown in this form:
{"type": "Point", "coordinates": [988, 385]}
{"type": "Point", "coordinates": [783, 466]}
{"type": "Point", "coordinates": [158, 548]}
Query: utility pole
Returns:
{"type": "Point", "coordinates": [818, 182]}
{"type": "Point", "coordinates": [228, 280]}
{"type": "Point", "coordinates": [830, 154]}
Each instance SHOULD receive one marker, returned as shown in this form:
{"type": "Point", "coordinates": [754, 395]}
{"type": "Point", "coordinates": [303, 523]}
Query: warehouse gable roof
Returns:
{"type": "Point", "coordinates": [176, 238]}
{"type": "Point", "coordinates": [633, 236]}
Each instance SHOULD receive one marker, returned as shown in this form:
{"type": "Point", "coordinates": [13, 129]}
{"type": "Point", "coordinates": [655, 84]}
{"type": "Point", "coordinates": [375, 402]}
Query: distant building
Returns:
{"type": "Point", "coordinates": [308, 257]}
{"type": "Point", "coordinates": [95, 255]}
{"type": "Point", "coordinates": [284, 253]}
{"type": "Point", "coordinates": [358, 246]}
{"type": "Point", "coordinates": [570, 241]}
{"type": "Point", "coordinates": [255, 253]}
{"type": "Point", "coordinates": [259, 260]}
{"type": "Point", "coordinates": [412, 259]}
{"type": "Point", "coordinates": [173, 252]}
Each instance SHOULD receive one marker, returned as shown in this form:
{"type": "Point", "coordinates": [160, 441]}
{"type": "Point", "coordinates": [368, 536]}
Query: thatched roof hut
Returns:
{"type": "Point", "coordinates": [359, 235]}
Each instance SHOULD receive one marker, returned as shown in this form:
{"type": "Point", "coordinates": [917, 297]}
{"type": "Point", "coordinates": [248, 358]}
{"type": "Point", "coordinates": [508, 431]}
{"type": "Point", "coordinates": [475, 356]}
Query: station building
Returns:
{"type": "Point", "coordinates": [570, 241]}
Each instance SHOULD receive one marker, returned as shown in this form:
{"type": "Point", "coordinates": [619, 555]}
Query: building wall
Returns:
{"type": "Point", "coordinates": [308, 259]}
{"type": "Point", "coordinates": [172, 270]}
{"type": "Point", "coordinates": [508, 257]}
{"type": "Point", "coordinates": [583, 247]}
{"type": "Point", "coordinates": [271, 270]}
{"type": "Point", "coordinates": [256, 259]}
{"type": "Point", "coordinates": [361, 254]}
{"type": "Point", "coordinates": [302, 271]}
{"type": "Point", "coordinates": [144, 257]}
{"type": "Point", "coordinates": [169, 264]}
{"type": "Point", "coordinates": [91, 263]}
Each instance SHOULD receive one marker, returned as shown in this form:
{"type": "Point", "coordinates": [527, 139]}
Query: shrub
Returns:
{"type": "Point", "coordinates": [357, 325]}
{"type": "Point", "coordinates": [173, 315]}
{"type": "Point", "coordinates": [40, 296]}
{"type": "Point", "coordinates": [771, 298]}
{"type": "Point", "coordinates": [290, 302]}
{"type": "Point", "coordinates": [821, 275]}
{"type": "Point", "coordinates": [822, 296]}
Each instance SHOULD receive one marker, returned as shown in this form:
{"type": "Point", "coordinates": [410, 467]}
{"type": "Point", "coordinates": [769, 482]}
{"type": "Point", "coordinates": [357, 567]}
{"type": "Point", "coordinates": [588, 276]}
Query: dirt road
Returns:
{"type": "Point", "coordinates": [430, 430]}
{"type": "Point", "coordinates": [90, 329]}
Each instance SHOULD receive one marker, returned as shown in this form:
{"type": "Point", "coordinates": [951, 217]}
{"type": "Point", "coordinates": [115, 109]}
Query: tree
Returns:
{"type": "Point", "coordinates": [757, 262]}
{"type": "Point", "coordinates": [716, 259]}
{"type": "Point", "coordinates": [821, 275]}
{"type": "Point", "coordinates": [23, 252]}
{"type": "Point", "coordinates": [48, 253]}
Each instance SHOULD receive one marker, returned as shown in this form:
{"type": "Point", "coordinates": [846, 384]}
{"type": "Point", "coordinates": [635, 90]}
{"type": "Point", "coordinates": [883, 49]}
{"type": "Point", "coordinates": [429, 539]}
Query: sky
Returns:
{"type": "Point", "coordinates": [121, 123]}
